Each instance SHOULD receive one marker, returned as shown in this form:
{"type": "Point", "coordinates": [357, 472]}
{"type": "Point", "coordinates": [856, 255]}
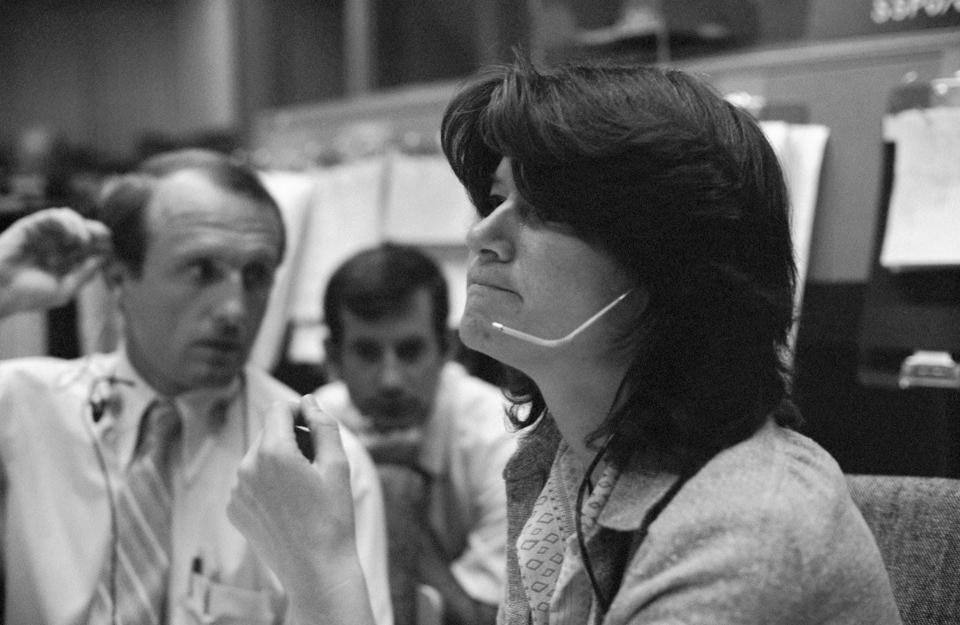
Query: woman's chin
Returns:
{"type": "Point", "coordinates": [476, 332]}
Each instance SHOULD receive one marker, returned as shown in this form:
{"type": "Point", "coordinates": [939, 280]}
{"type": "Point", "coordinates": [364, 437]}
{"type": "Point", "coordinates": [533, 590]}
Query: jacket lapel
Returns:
{"type": "Point", "coordinates": [641, 485]}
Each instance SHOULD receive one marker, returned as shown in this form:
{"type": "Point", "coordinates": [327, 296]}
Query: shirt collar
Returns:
{"type": "Point", "coordinates": [204, 411]}
{"type": "Point", "coordinates": [642, 483]}
{"type": "Point", "coordinates": [131, 396]}
{"type": "Point", "coordinates": [638, 487]}
{"type": "Point", "coordinates": [636, 491]}
{"type": "Point", "coordinates": [536, 448]}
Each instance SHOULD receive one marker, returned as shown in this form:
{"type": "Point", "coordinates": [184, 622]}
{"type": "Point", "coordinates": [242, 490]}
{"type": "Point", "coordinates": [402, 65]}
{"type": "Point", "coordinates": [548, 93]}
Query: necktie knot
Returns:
{"type": "Point", "coordinates": [159, 432]}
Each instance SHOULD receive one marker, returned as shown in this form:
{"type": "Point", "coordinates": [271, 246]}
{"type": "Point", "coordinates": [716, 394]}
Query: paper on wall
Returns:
{"type": "Point", "coordinates": [923, 216]}
{"type": "Point", "coordinates": [425, 202]}
{"type": "Point", "coordinates": [800, 149]}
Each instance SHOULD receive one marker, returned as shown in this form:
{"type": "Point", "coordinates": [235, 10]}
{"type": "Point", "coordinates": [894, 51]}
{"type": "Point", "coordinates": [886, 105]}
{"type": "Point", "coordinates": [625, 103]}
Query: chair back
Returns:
{"type": "Point", "coordinates": [916, 523]}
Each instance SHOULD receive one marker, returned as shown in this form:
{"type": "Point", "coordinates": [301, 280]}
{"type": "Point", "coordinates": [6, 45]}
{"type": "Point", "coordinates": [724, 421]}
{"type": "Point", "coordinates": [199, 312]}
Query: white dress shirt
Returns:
{"type": "Point", "coordinates": [58, 463]}
{"type": "Point", "coordinates": [465, 445]}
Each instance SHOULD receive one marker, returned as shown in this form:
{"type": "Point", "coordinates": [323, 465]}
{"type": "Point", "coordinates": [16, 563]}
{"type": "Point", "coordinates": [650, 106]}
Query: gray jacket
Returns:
{"type": "Point", "coordinates": [764, 533]}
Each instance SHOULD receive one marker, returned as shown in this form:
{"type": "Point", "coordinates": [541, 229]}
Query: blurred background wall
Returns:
{"type": "Point", "coordinates": [108, 74]}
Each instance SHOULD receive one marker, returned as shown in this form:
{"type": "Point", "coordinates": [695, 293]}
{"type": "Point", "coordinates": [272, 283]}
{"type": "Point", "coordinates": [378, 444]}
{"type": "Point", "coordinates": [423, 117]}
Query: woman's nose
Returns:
{"type": "Point", "coordinates": [492, 236]}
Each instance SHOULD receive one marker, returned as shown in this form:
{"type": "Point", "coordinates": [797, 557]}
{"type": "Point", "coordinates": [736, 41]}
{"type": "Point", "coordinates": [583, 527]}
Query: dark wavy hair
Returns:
{"type": "Point", "coordinates": [682, 189]}
{"type": "Point", "coordinates": [124, 198]}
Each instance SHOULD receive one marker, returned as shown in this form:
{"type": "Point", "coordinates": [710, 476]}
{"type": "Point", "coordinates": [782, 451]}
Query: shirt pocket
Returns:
{"type": "Point", "coordinates": [213, 603]}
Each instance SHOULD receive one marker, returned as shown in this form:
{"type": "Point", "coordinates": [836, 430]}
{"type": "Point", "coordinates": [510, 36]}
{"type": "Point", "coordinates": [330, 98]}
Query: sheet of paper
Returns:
{"type": "Point", "coordinates": [345, 216]}
{"type": "Point", "coordinates": [923, 217]}
{"type": "Point", "coordinates": [294, 193]}
{"type": "Point", "coordinates": [800, 149]}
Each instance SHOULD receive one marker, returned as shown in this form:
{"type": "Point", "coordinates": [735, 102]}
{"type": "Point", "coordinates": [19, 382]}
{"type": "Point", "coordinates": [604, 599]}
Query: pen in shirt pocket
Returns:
{"type": "Point", "coordinates": [199, 588]}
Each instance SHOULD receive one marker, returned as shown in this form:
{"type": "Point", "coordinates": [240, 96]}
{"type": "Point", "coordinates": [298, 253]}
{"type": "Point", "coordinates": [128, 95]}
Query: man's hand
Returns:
{"type": "Point", "coordinates": [298, 517]}
{"type": "Point", "coordinates": [46, 256]}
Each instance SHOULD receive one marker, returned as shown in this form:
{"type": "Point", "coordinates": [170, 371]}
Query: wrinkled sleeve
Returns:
{"type": "Point", "coordinates": [371, 529]}
{"type": "Point", "coordinates": [481, 568]}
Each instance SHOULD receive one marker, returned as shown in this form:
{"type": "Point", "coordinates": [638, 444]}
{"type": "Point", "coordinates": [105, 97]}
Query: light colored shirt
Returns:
{"type": "Point", "coordinates": [59, 465]}
{"type": "Point", "coordinates": [465, 445]}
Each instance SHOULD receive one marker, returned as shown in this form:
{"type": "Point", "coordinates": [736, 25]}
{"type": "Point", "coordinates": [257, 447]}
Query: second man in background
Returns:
{"type": "Point", "coordinates": [436, 433]}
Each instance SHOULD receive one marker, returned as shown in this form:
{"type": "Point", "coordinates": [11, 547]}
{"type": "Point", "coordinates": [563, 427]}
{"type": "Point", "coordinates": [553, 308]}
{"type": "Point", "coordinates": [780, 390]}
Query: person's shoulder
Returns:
{"type": "Point", "coordinates": [777, 470]}
{"type": "Point", "coordinates": [31, 372]}
{"type": "Point", "coordinates": [469, 418]}
{"type": "Point", "coordinates": [469, 400]}
{"type": "Point", "coordinates": [454, 373]}
{"type": "Point", "coordinates": [782, 498]}
{"type": "Point", "coordinates": [769, 519]}
{"type": "Point", "coordinates": [35, 364]}
{"type": "Point", "coordinates": [37, 393]}
{"type": "Point", "coordinates": [777, 491]}
{"type": "Point", "coordinates": [769, 525]}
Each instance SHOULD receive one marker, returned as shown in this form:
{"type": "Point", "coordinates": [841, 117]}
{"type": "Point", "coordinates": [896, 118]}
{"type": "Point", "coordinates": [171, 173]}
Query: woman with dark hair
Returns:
{"type": "Point", "coordinates": [633, 260]}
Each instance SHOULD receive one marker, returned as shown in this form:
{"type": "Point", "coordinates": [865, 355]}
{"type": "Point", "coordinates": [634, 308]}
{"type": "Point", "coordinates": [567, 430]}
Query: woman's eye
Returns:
{"type": "Point", "coordinates": [530, 214]}
{"type": "Point", "coordinates": [493, 201]}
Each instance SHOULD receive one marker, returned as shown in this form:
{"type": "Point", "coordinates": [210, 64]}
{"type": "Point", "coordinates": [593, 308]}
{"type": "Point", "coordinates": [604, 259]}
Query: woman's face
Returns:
{"type": "Point", "coordinates": [536, 277]}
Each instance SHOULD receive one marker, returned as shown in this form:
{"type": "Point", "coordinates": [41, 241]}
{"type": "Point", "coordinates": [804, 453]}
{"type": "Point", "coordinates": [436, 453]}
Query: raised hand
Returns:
{"type": "Point", "coordinates": [46, 256]}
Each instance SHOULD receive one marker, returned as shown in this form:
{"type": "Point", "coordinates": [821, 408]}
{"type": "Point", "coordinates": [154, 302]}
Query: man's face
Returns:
{"type": "Point", "coordinates": [193, 313]}
{"type": "Point", "coordinates": [391, 366]}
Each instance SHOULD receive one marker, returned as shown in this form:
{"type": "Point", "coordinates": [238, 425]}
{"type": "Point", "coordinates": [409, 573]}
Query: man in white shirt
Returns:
{"type": "Point", "coordinates": [437, 434]}
{"type": "Point", "coordinates": [196, 241]}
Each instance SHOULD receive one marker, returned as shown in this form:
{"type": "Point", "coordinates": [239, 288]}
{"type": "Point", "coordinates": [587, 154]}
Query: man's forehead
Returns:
{"type": "Point", "coordinates": [190, 196]}
{"type": "Point", "coordinates": [184, 182]}
{"type": "Point", "coordinates": [190, 189]}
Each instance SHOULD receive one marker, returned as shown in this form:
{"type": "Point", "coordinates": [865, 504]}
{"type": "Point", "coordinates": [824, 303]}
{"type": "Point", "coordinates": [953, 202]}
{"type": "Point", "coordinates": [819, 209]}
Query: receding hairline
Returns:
{"type": "Point", "coordinates": [168, 184]}
{"type": "Point", "coordinates": [164, 183]}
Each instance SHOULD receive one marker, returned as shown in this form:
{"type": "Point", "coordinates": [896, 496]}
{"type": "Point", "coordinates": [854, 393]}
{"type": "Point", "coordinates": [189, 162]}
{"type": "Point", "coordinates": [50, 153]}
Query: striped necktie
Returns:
{"type": "Point", "coordinates": [136, 572]}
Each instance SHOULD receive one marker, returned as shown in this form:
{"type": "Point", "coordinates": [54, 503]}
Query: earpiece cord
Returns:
{"type": "Point", "coordinates": [102, 461]}
{"type": "Point", "coordinates": [602, 599]}
{"type": "Point", "coordinates": [641, 534]}
{"type": "Point", "coordinates": [98, 405]}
